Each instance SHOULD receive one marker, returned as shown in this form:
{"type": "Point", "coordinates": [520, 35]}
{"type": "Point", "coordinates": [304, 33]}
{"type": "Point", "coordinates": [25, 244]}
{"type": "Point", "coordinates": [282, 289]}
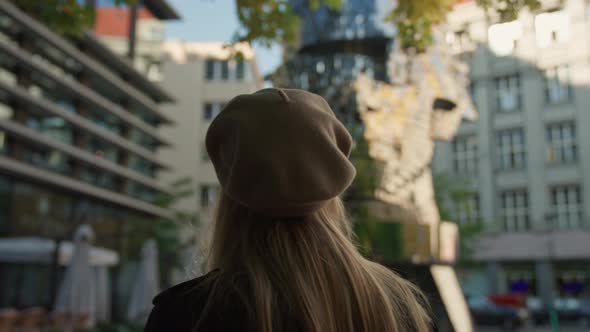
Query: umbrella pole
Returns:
{"type": "Point", "coordinates": [54, 274]}
{"type": "Point", "coordinates": [116, 305]}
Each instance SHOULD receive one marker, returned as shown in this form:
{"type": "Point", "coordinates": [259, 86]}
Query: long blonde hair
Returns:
{"type": "Point", "coordinates": [310, 266]}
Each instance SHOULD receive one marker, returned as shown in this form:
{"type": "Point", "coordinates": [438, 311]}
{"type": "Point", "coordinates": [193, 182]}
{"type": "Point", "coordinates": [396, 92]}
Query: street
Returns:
{"type": "Point", "coordinates": [531, 328]}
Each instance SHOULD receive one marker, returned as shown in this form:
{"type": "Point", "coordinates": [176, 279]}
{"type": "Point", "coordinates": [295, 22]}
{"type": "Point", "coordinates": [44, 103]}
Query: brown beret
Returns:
{"type": "Point", "coordinates": [280, 152]}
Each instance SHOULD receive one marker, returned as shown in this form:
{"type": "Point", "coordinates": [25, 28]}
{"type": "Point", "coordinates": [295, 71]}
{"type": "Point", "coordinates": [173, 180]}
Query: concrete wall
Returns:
{"type": "Point", "coordinates": [528, 59]}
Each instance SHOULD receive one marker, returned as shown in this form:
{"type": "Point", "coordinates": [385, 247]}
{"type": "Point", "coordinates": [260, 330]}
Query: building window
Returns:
{"type": "Point", "coordinates": [561, 143]}
{"type": "Point", "coordinates": [566, 203]}
{"type": "Point", "coordinates": [472, 90]}
{"type": "Point", "coordinates": [141, 192]}
{"type": "Point", "coordinates": [460, 41]}
{"type": "Point", "coordinates": [508, 93]}
{"type": "Point", "coordinates": [210, 69]}
{"type": "Point", "coordinates": [149, 118]}
{"type": "Point", "coordinates": [208, 111]}
{"type": "Point", "coordinates": [208, 195]}
{"type": "Point", "coordinates": [510, 149]}
{"type": "Point", "coordinates": [240, 70]}
{"type": "Point", "coordinates": [465, 154]}
{"type": "Point", "coordinates": [361, 27]}
{"type": "Point", "coordinates": [224, 70]}
{"type": "Point", "coordinates": [107, 121]}
{"type": "Point", "coordinates": [304, 81]}
{"type": "Point", "coordinates": [54, 127]}
{"type": "Point", "coordinates": [552, 28]}
{"type": "Point", "coordinates": [141, 165]}
{"type": "Point", "coordinates": [48, 159]}
{"type": "Point", "coordinates": [220, 70]}
{"type": "Point", "coordinates": [101, 179]}
{"type": "Point", "coordinates": [514, 210]}
{"type": "Point", "coordinates": [102, 150]}
{"type": "Point", "coordinates": [139, 137]}
{"type": "Point", "coordinates": [211, 110]}
{"type": "Point", "coordinates": [467, 211]}
{"type": "Point", "coordinates": [557, 88]}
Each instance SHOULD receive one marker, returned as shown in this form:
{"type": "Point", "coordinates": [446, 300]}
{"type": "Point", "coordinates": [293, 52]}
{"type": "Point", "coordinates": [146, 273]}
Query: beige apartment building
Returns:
{"type": "Point", "coordinates": [527, 156]}
{"type": "Point", "coordinates": [202, 76]}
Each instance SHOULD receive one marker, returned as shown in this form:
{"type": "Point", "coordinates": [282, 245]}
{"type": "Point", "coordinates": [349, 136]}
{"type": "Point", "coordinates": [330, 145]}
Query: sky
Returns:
{"type": "Point", "coordinates": [214, 20]}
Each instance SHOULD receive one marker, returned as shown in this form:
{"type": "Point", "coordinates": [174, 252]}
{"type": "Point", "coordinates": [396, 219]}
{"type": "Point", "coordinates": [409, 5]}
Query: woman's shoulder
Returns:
{"type": "Point", "coordinates": [187, 289]}
{"type": "Point", "coordinates": [178, 308]}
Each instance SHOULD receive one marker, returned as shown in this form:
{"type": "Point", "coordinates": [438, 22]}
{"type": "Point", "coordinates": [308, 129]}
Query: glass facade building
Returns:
{"type": "Point", "coordinates": [355, 20]}
{"type": "Point", "coordinates": [334, 47]}
{"type": "Point", "coordinates": [78, 143]}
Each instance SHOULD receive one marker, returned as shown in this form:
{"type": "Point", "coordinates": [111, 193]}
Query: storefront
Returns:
{"type": "Point", "coordinates": [520, 278]}
{"type": "Point", "coordinates": [572, 279]}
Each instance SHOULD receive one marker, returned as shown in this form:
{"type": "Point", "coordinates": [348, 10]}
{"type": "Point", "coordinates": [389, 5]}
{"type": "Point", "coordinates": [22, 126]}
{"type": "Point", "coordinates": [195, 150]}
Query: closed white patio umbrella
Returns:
{"type": "Point", "coordinates": [103, 294]}
{"type": "Point", "coordinates": [77, 292]}
{"type": "Point", "coordinates": [38, 250]}
{"type": "Point", "coordinates": [146, 284]}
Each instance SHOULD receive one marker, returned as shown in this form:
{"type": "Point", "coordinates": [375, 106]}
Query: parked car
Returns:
{"type": "Point", "coordinates": [538, 311]}
{"type": "Point", "coordinates": [485, 312]}
{"type": "Point", "coordinates": [569, 310]}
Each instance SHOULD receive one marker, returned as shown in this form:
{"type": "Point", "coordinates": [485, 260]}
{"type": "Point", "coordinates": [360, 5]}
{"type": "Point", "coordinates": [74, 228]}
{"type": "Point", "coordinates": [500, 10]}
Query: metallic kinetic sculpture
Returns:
{"type": "Point", "coordinates": [425, 101]}
{"type": "Point", "coordinates": [395, 105]}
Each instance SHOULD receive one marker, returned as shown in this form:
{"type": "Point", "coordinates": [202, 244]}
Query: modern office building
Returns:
{"type": "Point", "coordinates": [78, 141]}
{"type": "Point", "coordinates": [336, 46]}
{"type": "Point", "coordinates": [527, 157]}
{"type": "Point", "coordinates": [203, 76]}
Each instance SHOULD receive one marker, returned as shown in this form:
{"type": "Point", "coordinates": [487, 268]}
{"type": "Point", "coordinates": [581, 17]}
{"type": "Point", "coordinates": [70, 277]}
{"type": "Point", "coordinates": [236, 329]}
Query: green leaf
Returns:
{"type": "Point", "coordinates": [267, 22]}
{"type": "Point", "coordinates": [66, 17]}
{"type": "Point", "coordinates": [508, 9]}
{"type": "Point", "coordinates": [414, 19]}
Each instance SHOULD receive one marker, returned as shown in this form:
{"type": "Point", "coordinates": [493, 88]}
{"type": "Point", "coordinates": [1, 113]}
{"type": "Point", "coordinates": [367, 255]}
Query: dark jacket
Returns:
{"type": "Point", "coordinates": [191, 307]}
{"type": "Point", "coordinates": [181, 307]}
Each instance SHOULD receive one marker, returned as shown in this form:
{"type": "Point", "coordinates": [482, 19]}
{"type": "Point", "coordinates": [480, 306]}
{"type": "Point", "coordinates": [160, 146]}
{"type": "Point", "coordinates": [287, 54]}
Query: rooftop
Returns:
{"type": "Point", "coordinates": [179, 50]}
{"type": "Point", "coordinates": [114, 21]}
